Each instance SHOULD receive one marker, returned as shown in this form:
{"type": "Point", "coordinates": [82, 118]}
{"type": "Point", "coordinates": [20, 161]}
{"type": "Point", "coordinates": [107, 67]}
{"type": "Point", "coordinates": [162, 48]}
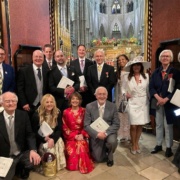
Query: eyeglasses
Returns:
{"type": "Point", "coordinates": [9, 101]}
{"type": "Point", "coordinates": [165, 56]}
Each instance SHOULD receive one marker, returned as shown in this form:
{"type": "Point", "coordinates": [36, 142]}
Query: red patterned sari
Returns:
{"type": "Point", "coordinates": [77, 152]}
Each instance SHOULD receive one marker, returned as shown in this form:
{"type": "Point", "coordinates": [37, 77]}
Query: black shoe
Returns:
{"type": "Point", "coordinates": [24, 173]}
{"type": "Point", "coordinates": [110, 163]}
{"type": "Point", "coordinates": [168, 152]}
{"type": "Point", "coordinates": [156, 149]}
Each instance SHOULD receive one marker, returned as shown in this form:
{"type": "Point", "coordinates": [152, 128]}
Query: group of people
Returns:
{"type": "Point", "coordinates": [70, 111]}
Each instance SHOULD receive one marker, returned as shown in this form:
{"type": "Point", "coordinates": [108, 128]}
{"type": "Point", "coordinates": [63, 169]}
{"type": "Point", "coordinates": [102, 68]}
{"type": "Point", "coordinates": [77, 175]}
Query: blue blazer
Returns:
{"type": "Point", "coordinates": [8, 78]}
{"type": "Point", "coordinates": [160, 86]}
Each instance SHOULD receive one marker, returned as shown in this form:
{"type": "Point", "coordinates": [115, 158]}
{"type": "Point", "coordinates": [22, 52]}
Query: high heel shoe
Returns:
{"type": "Point", "coordinates": [132, 151]}
{"type": "Point", "coordinates": [138, 151]}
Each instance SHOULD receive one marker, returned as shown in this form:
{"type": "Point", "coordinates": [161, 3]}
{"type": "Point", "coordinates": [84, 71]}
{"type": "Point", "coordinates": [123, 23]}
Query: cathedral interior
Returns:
{"type": "Point", "coordinates": [131, 27]}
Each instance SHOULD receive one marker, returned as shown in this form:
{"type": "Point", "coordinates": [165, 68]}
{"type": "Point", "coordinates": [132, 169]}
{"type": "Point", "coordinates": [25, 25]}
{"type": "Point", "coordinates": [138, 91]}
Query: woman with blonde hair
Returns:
{"type": "Point", "coordinates": [53, 143]}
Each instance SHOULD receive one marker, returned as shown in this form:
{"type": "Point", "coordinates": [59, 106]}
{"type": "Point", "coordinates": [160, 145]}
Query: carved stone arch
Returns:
{"type": "Point", "coordinates": [102, 31]}
{"type": "Point", "coordinates": [130, 32]}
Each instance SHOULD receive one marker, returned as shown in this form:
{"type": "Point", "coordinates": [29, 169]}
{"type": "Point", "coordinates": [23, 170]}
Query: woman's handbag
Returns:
{"type": "Point", "coordinates": [123, 105]}
{"type": "Point", "coordinates": [49, 164]}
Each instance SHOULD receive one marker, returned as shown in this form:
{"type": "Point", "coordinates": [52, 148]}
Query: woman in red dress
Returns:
{"type": "Point", "coordinates": [76, 144]}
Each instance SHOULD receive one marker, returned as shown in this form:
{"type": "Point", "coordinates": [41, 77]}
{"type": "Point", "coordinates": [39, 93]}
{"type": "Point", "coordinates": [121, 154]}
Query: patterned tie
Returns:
{"type": "Point", "coordinates": [49, 64]}
{"type": "Point", "coordinates": [82, 65]}
{"type": "Point", "coordinates": [39, 73]}
{"type": "Point", "coordinates": [99, 69]}
{"type": "Point", "coordinates": [99, 72]}
{"type": "Point", "coordinates": [1, 83]}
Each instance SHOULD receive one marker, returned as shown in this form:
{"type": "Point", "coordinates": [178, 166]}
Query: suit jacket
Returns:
{"type": "Point", "coordinates": [24, 136]}
{"type": "Point", "coordinates": [110, 116]}
{"type": "Point", "coordinates": [86, 96]}
{"type": "Point", "coordinates": [107, 79]}
{"type": "Point", "coordinates": [160, 86]}
{"type": "Point", "coordinates": [54, 79]}
{"type": "Point", "coordinates": [76, 64]}
{"type": "Point", "coordinates": [26, 85]}
{"type": "Point", "coordinates": [45, 64]}
{"type": "Point", "coordinates": [8, 78]}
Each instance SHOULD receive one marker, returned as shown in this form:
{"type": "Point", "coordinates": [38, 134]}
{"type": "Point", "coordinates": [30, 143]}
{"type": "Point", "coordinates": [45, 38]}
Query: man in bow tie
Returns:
{"type": "Point", "coordinates": [7, 75]}
{"type": "Point", "coordinates": [61, 94]}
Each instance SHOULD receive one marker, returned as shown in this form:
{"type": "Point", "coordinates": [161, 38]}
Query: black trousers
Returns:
{"type": "Point", "coordinates": [20, 163]}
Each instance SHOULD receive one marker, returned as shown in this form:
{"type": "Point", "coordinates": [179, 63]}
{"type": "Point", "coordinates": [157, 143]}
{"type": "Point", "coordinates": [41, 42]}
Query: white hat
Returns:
{"type": "Point", "coordinates": [138, 59]}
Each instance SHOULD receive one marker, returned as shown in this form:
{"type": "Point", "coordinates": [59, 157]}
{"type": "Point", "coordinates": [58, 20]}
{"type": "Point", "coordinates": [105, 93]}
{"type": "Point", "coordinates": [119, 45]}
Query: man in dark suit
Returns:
{"type": "Point", "coordinates": [61, 94]}
{"type": "Point", "coordinates": [32, 83]}
{"type": "Point", "coordinates": [49, 63]}
{"type": "Point", "coordinates": [7, 75]}
{"type": "Point", "coordinates": [16, 137]}
{"type": "Point", "coordinates": [101, 74]}
{"type": "Point", "coordinates": [102, 143]}
{"type": "Point", "coordinates": [81, 65]}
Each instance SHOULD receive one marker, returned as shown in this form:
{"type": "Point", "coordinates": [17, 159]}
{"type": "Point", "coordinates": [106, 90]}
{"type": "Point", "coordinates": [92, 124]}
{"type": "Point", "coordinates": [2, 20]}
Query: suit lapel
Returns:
{"type": "Point", "coordinates": [3, 129]}
{"type": "Point", "coordinates": [78, 66]}
{"type": "Point", "coordinates": [96, 110]}
{"type": "Point", "coordinates": [32, 76]}
{"type": "Point", "coordinates": [103, 72]}
{"type": "Point", "coordinates": [17, 123]}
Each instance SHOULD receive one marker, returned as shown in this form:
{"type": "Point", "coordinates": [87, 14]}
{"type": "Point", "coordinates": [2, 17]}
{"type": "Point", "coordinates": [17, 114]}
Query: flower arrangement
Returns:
{"type": "Point", "coordinates": [113, 41]}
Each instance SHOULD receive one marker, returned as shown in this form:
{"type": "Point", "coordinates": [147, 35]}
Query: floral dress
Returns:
{"type": "Point", "coordinates": [77, 152]}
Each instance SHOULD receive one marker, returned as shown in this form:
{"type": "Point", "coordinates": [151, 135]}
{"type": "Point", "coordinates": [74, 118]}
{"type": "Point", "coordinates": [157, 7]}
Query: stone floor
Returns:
{"type": "Point", "coordinates": [126, 165]}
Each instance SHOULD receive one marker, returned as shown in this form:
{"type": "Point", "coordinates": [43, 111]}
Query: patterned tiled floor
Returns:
{"type": "Point", "coordinates": [142, 166]}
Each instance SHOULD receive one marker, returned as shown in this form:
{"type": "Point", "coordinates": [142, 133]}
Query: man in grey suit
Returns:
{"type": "Point", "coordinates": [102, 144]}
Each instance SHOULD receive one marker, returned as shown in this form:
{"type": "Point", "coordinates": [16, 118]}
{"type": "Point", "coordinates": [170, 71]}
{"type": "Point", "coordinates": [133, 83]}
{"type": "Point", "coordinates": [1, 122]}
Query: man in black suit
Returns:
{"type": "Point", "coordinates": [16, 137]}
{"type": "Point", "coordinates": [81, 65]}
{"type": "Point", "coordinates": [32, 83]}
{"type": "Point", "coordinates": [61, 94]}
{"type": "Point", "coordinates": [49, 63]}
{"type": "Point", "coordinates": [101, 74]}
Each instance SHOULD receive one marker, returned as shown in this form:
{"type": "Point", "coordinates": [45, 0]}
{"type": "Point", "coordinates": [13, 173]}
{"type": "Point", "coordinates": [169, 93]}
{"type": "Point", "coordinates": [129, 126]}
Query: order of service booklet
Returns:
{"type": "Point", "coordinates": [99, 125]}
{"type": "Point", "coordinates": [5, 164]}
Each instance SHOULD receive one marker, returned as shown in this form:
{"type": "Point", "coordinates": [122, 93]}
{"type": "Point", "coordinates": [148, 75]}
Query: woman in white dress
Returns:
{"type": "Point", "coordinates": [135, 87]}
{"type": "Point", "coordinates": [124, 130]}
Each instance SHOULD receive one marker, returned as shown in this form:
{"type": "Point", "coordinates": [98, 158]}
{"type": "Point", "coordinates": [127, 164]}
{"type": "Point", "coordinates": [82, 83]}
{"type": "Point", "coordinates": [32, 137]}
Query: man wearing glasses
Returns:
{"type": "Point", "coordinates": [7, 75]}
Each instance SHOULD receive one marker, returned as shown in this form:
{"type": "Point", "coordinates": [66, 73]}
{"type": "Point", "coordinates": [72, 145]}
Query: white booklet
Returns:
{"type": "Point", "coordinates": [100, 125]}
{"type": "Point", "coordinates": [64, 82]}
{"type": "Point", "coordinates": [82, 81]}
{"type": "Point", "coordinates": [171, 85]}
{"type": "Point", "coordinates": [5, 164]}
{"type": "Point", "coordinates": [45, 129]}
{"type": "Point", "coordinates": [176, 98]}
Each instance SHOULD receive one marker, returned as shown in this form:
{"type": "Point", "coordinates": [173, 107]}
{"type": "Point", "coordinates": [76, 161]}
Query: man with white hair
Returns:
{"type": "Point", "coordinates": [101, 74]}
{"type": "Point", "coordinates": [32, 83]}
{"type": "Point", "coordinates": [16, 137]}
{"type": "Point", "coordinates": [102, 144]}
